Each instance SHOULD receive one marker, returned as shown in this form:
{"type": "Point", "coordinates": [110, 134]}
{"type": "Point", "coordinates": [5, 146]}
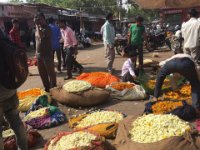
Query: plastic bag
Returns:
{"type": "Point", "coordinates": [135, 93]}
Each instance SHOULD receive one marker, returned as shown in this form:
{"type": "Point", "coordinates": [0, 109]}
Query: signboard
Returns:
{"type": "Point", "coordinates": [15, 12]}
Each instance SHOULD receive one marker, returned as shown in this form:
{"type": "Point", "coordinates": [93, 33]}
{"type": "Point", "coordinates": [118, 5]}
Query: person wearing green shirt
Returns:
{"type": "Point", "coordinates": [137, 33]}
{"type": "Point", "coordinates": [109, 40]}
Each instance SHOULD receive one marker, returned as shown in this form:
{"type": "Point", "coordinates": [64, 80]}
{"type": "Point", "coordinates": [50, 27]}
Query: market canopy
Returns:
{"type": "Point", "coordinates": [157, 4]}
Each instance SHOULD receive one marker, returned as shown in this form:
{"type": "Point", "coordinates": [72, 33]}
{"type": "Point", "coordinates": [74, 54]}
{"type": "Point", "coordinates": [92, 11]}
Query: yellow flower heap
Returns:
{"type": "Point", "coordinates": [77, 86]}
{"type": "Point", "coordinates": [72, 141]}
{"type": "Point", "coordinates": [152, 128]}
{"type": "Point", "coordinates": [166, 84]}
{"type": "Point", "coordinates": [99, 117]}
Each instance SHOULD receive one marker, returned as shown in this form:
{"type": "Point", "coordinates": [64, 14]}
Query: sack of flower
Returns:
{"type": "Point", "coordinates": [178, 108]}
{"type": "Point", "coordinates": [156, 132]}
{"type": "Point", "coordinates": [98, 79]}
{"type": "Point", "coordinates": [77, 140]}
{"type": "Point", "coordinates": [126, 91]}
{"type": "Point", "coordinates": [10, 142]}
{"type": "Point", "coordinates": [28, 97]}
{"type": "Point", "coordinates": [103, 122]}
{"type": "Point", "coordinates": [42, 115]}
{"type": "Point", "coordinates": [79, 94]}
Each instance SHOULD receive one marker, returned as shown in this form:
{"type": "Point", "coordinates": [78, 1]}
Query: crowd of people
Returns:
{"type": "Point", "coordinates": [58, 38]}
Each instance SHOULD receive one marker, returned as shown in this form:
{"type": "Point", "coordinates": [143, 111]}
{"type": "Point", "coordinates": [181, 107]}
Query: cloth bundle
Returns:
{"type": "Point", "coordinates": [42, 115]}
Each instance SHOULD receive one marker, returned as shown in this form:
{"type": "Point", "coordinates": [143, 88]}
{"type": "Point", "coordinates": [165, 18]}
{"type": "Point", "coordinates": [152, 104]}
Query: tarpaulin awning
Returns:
{"type": "Point", "coordinates": [157, 4]}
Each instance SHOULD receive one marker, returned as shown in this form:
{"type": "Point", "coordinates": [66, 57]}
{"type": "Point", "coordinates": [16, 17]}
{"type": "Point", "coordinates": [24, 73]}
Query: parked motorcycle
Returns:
{"type": "Point", "coordinates": [120, 44]}
{"type": "Point", "coordinates": [84, 41]}
{"type": "Point", "coordinates": [177, 41]}
{"type": "Point", "coordinates": [157, 39]}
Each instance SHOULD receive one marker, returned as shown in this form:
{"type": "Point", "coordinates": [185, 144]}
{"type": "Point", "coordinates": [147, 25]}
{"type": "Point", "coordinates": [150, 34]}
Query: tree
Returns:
{"type": "Point", "coordinates": [148, 15]}
{"type": "Point", "coordinates": [90, 6]}
{"type": "Point", "coordinates": [16, 1]}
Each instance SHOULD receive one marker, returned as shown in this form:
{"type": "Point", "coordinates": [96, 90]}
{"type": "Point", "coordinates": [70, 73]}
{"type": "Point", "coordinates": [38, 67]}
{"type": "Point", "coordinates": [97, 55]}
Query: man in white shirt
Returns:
{"type": "Point", "coordinates": [185, 66]}
{"type": "Point", "coordinates": [191, 34]}
{"type": "Point", "coordinates": [128, 69]}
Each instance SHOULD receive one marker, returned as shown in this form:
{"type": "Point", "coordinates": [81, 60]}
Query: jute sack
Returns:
{"type": "Point", "coordinates": [123, 142]}
{"type": "Point", "coordinates": [98, 144]}
{"type": "Point", "coordinates": [87, 98]}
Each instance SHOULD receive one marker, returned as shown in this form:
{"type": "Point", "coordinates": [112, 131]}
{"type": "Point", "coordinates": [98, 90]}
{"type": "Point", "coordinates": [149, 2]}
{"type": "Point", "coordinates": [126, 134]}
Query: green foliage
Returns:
{"type": "Point", "coordinates": [16, 1]}
{"type": "Point", "coordinates": [100, 7]}
{"type": "Point", "coordinates": [148, 15]}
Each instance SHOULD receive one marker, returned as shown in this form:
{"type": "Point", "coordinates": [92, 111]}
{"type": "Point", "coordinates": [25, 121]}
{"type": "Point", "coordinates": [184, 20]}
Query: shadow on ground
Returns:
{"type": "Point", "coordinates": [93, 47]}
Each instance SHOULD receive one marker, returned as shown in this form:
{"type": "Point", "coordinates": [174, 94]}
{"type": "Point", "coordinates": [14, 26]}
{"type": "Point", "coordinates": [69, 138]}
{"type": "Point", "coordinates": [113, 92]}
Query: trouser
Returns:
{"type": "Point", "coordinates": [186, 68]}
{"type": "Point", "coordinates": [76, 64]}
{"type": "Point", "coordinates": [58, 55]}
{"type": "Point", "coordinates": [194, 52]}
{"type": "Point", "coordinates": [46, 71]}
{"type": "Point", "coordinates": [127, 77]}
{"type": "Point", "coordinates": [110, 55]}
{"type": "Point", "coordinates": [63, 55]}
{"type": "Point", "coordinates": [139, 49]}
{"type": "Point", "coordinates": [8, 109]}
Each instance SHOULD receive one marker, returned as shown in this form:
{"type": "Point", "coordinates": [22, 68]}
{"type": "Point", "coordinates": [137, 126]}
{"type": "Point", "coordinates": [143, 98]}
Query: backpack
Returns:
{"type": "Point", "coordinates": [13, 64]}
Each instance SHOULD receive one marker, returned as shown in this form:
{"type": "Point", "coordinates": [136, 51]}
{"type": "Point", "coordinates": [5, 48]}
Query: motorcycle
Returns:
{"type": "Point", "coordinates": [84, 41]}
{"type": "Point", "coordinates": [120, 44]}
{"type": "Point", "coordinates": [157, 39]}
{"type": "Point", "coordinates": [177, 41]}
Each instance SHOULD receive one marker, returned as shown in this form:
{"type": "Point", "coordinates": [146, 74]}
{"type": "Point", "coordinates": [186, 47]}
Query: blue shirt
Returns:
{"type": "Point", "coordinates": [55, 37]}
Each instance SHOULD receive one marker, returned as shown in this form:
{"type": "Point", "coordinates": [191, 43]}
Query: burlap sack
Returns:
{"type": "Point", "coordinates": [123, 142]}
{"type": "Point", "coordinates": [87, 98]}
{"type": "Point", "coordinates": [99, 144]}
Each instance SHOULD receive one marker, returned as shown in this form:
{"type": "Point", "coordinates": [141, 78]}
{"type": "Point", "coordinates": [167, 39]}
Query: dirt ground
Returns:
{"type": "Point", "coordinates": [93, 60]}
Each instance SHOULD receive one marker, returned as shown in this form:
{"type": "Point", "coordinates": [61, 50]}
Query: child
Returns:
{"type": "Point", "coordinates": [128, 70]}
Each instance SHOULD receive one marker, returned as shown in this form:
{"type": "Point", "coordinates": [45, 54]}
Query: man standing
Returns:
{"type": "Point", "coordinates": [14, 34]}
{"type": "Point", "coordinates": [191, 34]}
{"type": "Point", "coordinates": [109, 40]}
{"type": "Point", "coordinates": [55, 38]}
{"type": "Point", "coordinates": [44, 52]}
{"type": "Point", "coordinates": [70, 44]}
{"type": "Point", "coordinates": [137, 33]}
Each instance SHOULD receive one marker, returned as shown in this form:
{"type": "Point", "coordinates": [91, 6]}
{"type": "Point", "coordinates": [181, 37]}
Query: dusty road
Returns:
{"type": "Point", "coordinates": [92, 60]}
